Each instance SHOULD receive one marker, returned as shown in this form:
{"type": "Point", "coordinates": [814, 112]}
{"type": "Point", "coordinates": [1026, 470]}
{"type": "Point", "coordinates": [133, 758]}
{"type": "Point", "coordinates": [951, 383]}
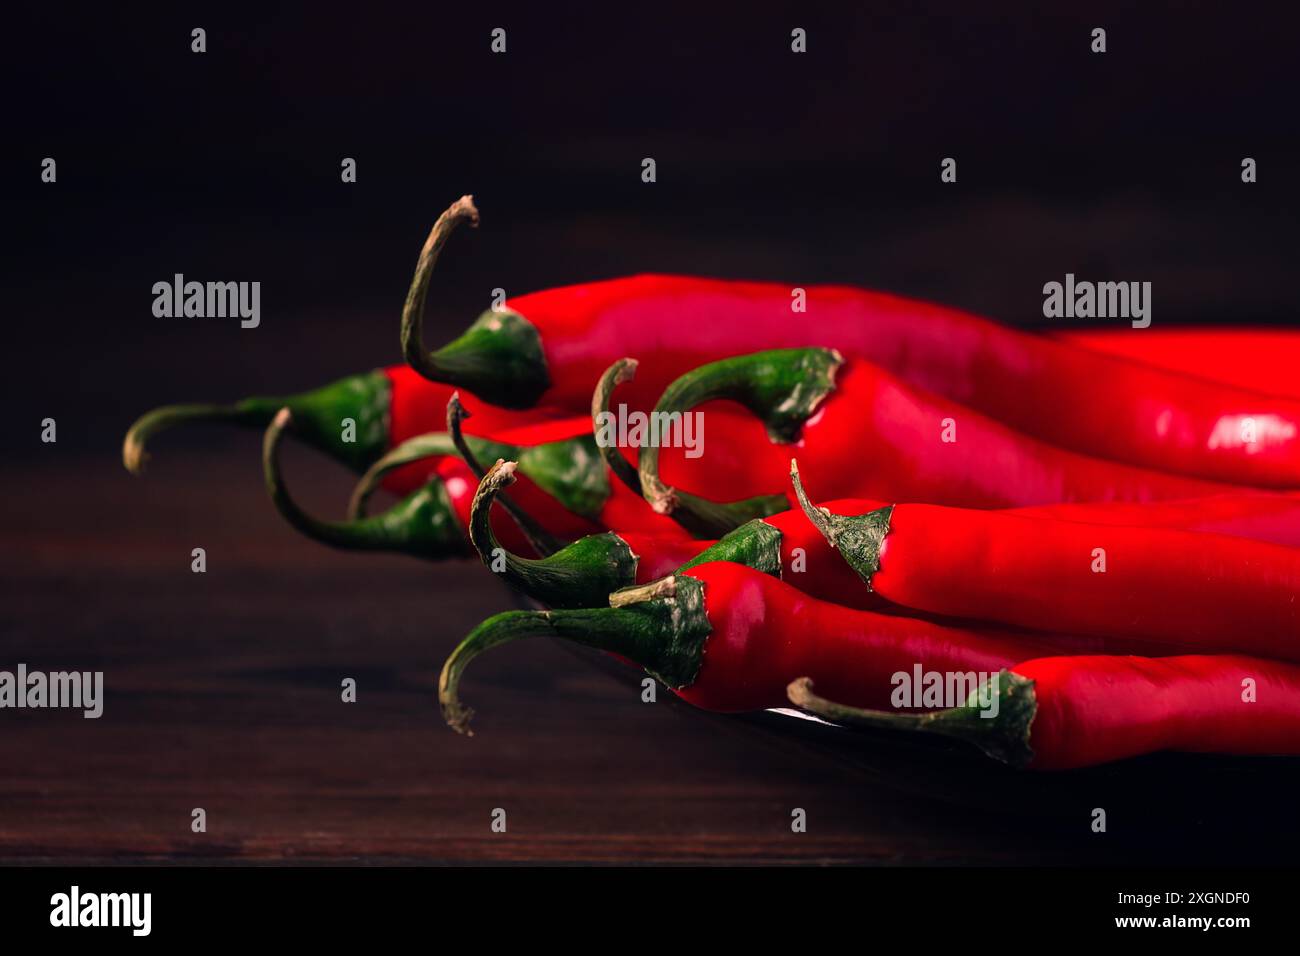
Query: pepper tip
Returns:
{"type": "Point", "coordinates": [455, 408]}
{"type": "Point", "coordinates": [133, 454]}
{"type": "Point", "coordinates": [465, 206]}
{"type": "Point", "coordinates": [799, 691]}
{"type": "Point", "coordinates": [626, 371]}
{"type": "Point", "coordinates": [458, 718]}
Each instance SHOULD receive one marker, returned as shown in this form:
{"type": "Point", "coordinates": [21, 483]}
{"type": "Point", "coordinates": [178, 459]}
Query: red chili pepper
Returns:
{"type": "Point", "coordinates": [1272, 518]}
{"type": "Point", "coordinates": [874, 437]}
{"type": "Point", "coordinates": [586, 572]}
{"type": "Point", "coordinates": [1259, 359]}
{"type": "Point", "coordinates": [726, 637]}
{"type": "Point", "coordinates": [547, 347]}
{"type": "Point", "coordinates": [1208, 592]}
{"type": "Point", "coordinates": [1058, 713]}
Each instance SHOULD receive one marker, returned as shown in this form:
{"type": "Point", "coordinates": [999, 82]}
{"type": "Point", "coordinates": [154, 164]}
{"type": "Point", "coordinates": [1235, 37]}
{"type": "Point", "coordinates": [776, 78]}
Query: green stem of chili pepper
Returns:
{"type": "Point", "coordinates": [570, 471]}
{"type": "Point", "coordinates": [581, 574]}
{"type": "Point", "coordinates": [319, 417]}
{"type": "Point", "coordinates": [431, 445]}
{"type": "Point", "coordinates": [423, 524]}
{"type": "Point", "coordinates": [661, 626]}
{"type": "Point", "coordinates": [858, 537]}
{"type": "Point", "coordinates": [755, 544]}
{"type": "Point", "coordinates": [542, 541]}
{"type": "Point", "coordinates": [1004, 736]}
{"type": "Point", "coordinates": [782, 387]}
{"type": "Point", "coordinates": [498, 358]}
{"type": "Point", "coordinates": [624, 370]}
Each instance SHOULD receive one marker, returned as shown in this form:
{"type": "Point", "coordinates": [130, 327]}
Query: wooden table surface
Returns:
{"type": "Point", "coordinates": [223, 692]}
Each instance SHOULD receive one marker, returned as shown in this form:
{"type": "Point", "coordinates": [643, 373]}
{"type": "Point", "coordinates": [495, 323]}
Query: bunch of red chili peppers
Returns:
{"type": "Point", "coordinates": [1065, 550]}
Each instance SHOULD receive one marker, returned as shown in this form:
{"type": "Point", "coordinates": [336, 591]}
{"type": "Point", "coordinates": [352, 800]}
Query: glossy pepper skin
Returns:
{"type": "Point", "coordinates": [866, 434]}
{"type": "Point", "coordinates": [726, 637]}
{"type": "Point", "coordinates": [559, 340]}
{"type": "Point", "coordinates": [1062, 713]}
{"type": "Point", "coordinates": [1259, 359]}
{"type": "Point", "coordinates": [1199, 591]}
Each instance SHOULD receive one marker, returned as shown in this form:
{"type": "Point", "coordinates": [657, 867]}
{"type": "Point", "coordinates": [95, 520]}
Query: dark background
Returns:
{"type": "Point", "coordinates": [223, 688]}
